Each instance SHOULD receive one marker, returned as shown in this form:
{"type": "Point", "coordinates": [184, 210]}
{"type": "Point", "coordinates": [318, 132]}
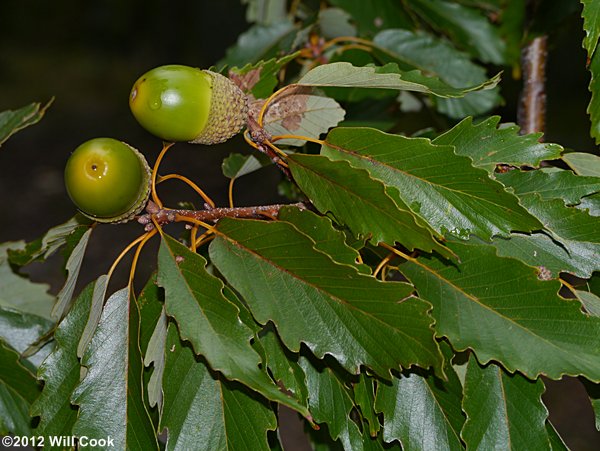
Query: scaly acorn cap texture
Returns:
{"type": "Point", "coordinates": [143, 196]}
{"type": "Point", "coordinates": [228, 111]}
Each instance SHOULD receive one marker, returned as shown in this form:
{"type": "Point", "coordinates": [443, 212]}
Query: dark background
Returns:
{"type": "Point", "coordinates": [88, 54]}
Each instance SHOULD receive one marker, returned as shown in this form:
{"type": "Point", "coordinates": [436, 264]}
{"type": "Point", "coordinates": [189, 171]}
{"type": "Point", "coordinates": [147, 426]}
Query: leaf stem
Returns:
{"type": "Point", "coordinates": [354, 39]}
{"type": "Point", "coordinates": [299, 137]}
{"type": "Point", "coordinates": [568, 286]}
{"type": "Point", "coordinates": [197, 222]}
{"type": "Point", "coordinates": [343, 48]}
{"type": "Point", "coordinates": [193, 234]}
{"type": "Point", "coordinates": [124, 252]}
{"type": "Point", "coordinates": [272, 97]}
{"type": "Point", "coordinates": [137, 254]}
{"type": "Point", "coordinates": [155, 198]}
{"type": "Point", "coordinates": [399, 253]}
{"type": "Point", "coordinates": [230, 192]}
{"type": "Point", "coordinates": [207, 199]}
{"type": "Point", "coordinates": [383, 263]}
{"type": "Point", "coordinates": [204, 238]}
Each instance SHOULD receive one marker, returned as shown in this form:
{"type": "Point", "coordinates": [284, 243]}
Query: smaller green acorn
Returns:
{"type": "Point", "coordinates": [108, 180]}
{"type": "Point", "coordinates": [182, 103]}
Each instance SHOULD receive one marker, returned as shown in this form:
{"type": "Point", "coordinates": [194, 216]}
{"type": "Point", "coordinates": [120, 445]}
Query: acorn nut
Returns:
{"type": "Point", "coordinates": [108, 180]}
{"type": "Point", "coordinates": [182, 103]}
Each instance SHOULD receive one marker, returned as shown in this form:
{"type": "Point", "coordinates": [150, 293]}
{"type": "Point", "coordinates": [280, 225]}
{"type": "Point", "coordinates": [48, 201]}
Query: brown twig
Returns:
{"type": "Point", "coordinates": [165, 216]}
{"type": "Point", "coordinates": [532, 104]}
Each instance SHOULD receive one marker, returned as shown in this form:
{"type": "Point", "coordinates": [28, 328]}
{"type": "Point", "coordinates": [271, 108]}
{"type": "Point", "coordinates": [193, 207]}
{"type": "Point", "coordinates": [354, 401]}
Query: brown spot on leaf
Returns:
{"type": "Point", "coordinates": [289, 109]}
{"type": "Point", "coordinates": [545, 273]}
{"type": "Point", "coordinates": [246, 81]}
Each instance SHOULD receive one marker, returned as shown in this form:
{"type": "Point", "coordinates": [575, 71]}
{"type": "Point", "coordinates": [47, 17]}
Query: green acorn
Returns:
{"type": "Point", "coordinates": [181, 103]}
{"type": "Point", "coordinates": [108, 180]}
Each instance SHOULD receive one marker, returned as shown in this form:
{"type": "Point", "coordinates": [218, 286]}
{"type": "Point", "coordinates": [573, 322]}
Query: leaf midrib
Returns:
{"type": "Point", "coordinates": [436, 187]}
{"type": "Point", "coordinates": [324, 291]}
{"type": "Point", "coordinates": [476, 301]}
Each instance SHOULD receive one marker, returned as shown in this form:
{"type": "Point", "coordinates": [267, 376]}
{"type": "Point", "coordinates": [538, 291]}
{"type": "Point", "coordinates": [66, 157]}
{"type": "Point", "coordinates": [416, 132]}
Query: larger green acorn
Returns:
{"type": "Point", "coordinates": [182, 103]}
{"type": "Point", "coordinates": [108, 180]}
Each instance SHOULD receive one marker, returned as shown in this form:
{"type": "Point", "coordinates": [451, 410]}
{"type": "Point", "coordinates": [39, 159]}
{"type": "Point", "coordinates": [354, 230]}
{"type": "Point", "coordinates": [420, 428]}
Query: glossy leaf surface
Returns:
{"type": "Point", "coordinates": [110, 402]}
{"type": "Point", "coordinates": [500, 309]}
{"type": "Point", "coordinates": [210, 322]}
{"type": "Point", "coordinates": [503, 409]}
{"type": "Point", "coordinates": [462, 200]}
{"type": "Point", "coordinates": [360, 202]}
{"type": "Point", "coordinates": [201, 411]}
{"type": "Point", "coordinates": [376, 324]}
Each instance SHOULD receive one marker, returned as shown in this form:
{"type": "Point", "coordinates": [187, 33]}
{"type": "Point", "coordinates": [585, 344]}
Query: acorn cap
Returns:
{"type": "Point", "coordinates": [143, 195]}
{"type": "Point", "coordinates": [228, 111]}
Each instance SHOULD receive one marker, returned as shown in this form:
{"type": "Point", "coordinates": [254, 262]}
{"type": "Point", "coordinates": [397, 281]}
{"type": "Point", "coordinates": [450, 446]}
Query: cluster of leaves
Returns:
{"type": "Point", "coordinates": [415, 304]}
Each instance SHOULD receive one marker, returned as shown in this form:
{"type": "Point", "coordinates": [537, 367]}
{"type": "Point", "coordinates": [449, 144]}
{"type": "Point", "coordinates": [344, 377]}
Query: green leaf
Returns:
{"type": "Point", "coordinates": [330, 402]}
{"type": "Point", "coordinates": [16, 377]}
{"type": "Point", "coordinates": [284, 366]}
{"type": "Point", "coordinates": [18, 389]}
{"type": "Point", "coordinates": [512, 16]}
{"type": "Point", "coordinates": [203, 412]}
{"type": "Point", "coordinates": [422, 411]}
{"type": "Point", "coordinates": [501, 144]}
{"type": "Point", "coordinates": [110, 396]}
{"type": "Point", "coordinates": [375, 15]}
{"type": "Point", "coordinates": [556, 442]}
{"type": "Point", "coordinates": [20, 330]}
{"type": "Point", "coordinates": [14, 413]}
{"type": "Point", "coordinates": [260, 79]}
{"type": "Point", "coordinates": [585, 164]}
{"type": "Point", "coordinates": [259, 42]}
{"type": "Point", "coordinates": [467, 27]}
{"type": "Point", "coordinates": [73, 266]}
{"type": "Point", "coordinates": [265, 12]}
{"type": "Point", "coordinates": [61, 373]}
{"type": "Point", "coordinates": [364, 398]}
{"type": "Point", "coordinates": [20, 293]}
{"type": "Point", "coordinates": [153, 324]}
{"type": "Point", "coordinates": [596, 407]}
{"type": "Point", "coordinates": [593, 108]}
{"type": "Point", "coordinates": [590, 301]}
{"type": "Point", "coordinates": [237, 165]}
{"type": "Point", "coordinates": [570, 226]}
{"type": "Point", "coordinates": [376, 324]}
{"type": "Point", "coordinates": [420, 50]}
{"type": "Point", "coordinates": [327, 239]}
{"type": "Point", "coordinates": [503, 409]}
{"type": "Point", "coordinates": [550, 185]}
{"type": "Point", "coordinates": [499, 308]}
{"type": "Point", "coordinates": [11, 121]}
{"type": "Point", "coordinates": [461, 200]}
{"type": "Point", "coordinates": [345, 75]}
{"type": "Point", "coordinates": [591, 204]}
{"type": "Point", "coordinates": [69, 234]}
{"type": "Point", "coordinates": [541, 251]}
{"type": "Point", "coordinates": [591, 25]}
{"type": "Point", "coordinates": [94, 314]}
{"type": "Point", "coordinates": [210, 322]}
{"type": "Point", "coordinates": [298, 111]}
{"type": "Point", "coordinates": [360, 202]}
{"type": "Point", "coordinates": [155, 355]}
{"type": "Point", "coordinates": [335, 22]}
